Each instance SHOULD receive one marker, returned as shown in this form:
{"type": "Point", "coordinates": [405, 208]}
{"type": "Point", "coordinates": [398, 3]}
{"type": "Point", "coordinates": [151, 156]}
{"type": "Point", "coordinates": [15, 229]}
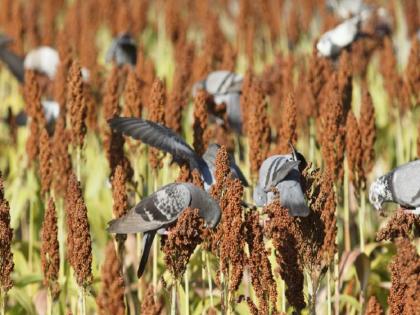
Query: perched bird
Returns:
{"type": "Point", "coordinates": [282, 173]}
{"type": "Point", "coordinates": [123, 50]}
{"type": "Point", "coordinates": [401, 186]}
{"type": "Point", "coordinates": [225, 87]}
{"type": "Point", "coordinates": [155, 212]}
{"type": "Point", "coordinates": [51, 112]}
{"type": "Point", "coordinates": [167, 140]}
{"type": "Point", "coordinates": [333, 41]}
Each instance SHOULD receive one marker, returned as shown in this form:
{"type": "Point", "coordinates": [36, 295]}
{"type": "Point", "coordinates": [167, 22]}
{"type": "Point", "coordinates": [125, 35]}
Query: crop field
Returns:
{"type": "Point", "coordinates": [309, 103]}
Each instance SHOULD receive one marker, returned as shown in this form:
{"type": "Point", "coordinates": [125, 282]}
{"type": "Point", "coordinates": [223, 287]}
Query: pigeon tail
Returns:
{"type": "Point", "coordinates": [147, 245]}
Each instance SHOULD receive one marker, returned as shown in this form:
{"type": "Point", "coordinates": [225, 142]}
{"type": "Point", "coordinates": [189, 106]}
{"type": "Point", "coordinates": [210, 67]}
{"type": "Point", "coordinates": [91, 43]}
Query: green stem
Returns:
{"type": "Point", "coordinates": [31, 233]}
{"type": "Point", "coordinates": [329, 310]}
{"type": "Point", "coordinates": [336, 284]}
{"type": "Point", "coordinates": [173, 298]}
{"type": "Point", "coordinates": [82, 301]}
{"type": "Point", "coordinates": [347, 242]}
{"type": "Point", "coordinates": [187, 292]}
{"type": "Point", "coordinates": [283, 295]}
{"type": "Point", "coordinates": [209, 279]}
{"type": "Point", "coordinates": [2, 302]}
{"type": "Point", "coordinates": [362, 220]}
{"type": "Point", "coordinates": [155, 249]}
{"type": "Point", "coordinates": [203, 276]}
{"type": "Point", "coordinates": [49, 302]}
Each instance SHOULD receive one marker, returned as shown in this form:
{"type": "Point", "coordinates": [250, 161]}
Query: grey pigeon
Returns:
{"type": "Point", "coordinates": [282, 173]}
{"type": "Point", "coordinates": [401, 186]}
{"type": "Point", "coordinates": [167, 140]}
{"type": "Point", "coordinates": [333, 41]}
{"type": "Point", "coordinates": [225, 87]}
{"type": "Point", "coordinates": [123, 50]}
{"type": "Point", "coordinates": [155, 212]}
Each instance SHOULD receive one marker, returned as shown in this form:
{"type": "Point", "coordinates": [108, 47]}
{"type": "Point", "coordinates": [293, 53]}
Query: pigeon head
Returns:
{"type": "Point", "coordinates": [378, 193]}
{"type": "Point", "coordinates": [325, 46]}
{"type": "Point", "coordinates": [260, 196]}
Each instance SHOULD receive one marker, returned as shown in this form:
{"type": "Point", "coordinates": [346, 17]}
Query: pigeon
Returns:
{"type": "Point", "coordinates": [123, 50]}
{"type": "Point", "coordinates": [43, 59]}
{"type": "Point", "coordinates": [282, 172]}
{"type": "Point", "coordinates": [333, 41]}
{"type": "Point", "coordinates": [401, 186]}
{"type": "Point", "coordinates": [51, 112]}
{"type": "Point", "coordinates": [155, 212]}
{"type": "Point", "coordinates": [167, 140]}
{"type": "Point", "coordinates": [225, 87]}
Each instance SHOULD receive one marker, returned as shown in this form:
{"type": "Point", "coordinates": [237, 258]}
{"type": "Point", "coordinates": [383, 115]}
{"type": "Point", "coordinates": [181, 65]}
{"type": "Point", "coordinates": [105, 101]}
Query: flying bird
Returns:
{"type": "Point", "coordinates": [281, 172]}
{"type": "Point", "coordinates": [167, 140]}
{"type": "Point", "coordinates": [155, 212]}
{"type": "Point", "coordinates": [401, 186]}
{"type": "Point", "coordinates": [123, 50]}
{"type": "Point", "coordinates": [42, 59]}
{"type": "Point", "coordinates": [225, 87]}
{"type": "Point", "coordinates": [333, 41]}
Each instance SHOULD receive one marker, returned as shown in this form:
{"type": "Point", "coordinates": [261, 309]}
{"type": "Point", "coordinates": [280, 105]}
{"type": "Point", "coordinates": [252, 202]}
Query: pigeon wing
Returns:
{"type": "Point", "coordinates": [223, 82]}
{"type": "Point", "coordinates": [406, 184]}
{"type": "Point", "coordinates": [12, 61]}
{"type": "Point", "coordinates": [156, 211]}
{"type": "Point", "coordinates": [157, 136]}
{"type": "Point", "coordinates": [276, 170]}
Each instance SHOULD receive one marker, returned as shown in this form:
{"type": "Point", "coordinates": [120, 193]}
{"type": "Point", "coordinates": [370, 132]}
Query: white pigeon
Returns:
{"type": "Point", "coordinates": [333, 41]}
{"type": "Point", "coordinates": [43, 59]}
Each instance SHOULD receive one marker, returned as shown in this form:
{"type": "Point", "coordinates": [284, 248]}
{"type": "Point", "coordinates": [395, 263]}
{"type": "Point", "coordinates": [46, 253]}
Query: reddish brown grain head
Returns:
{"type": "Point", "coordinates": [157, 103]}
{"type": "Point", "coordinates": [61, 161]}
{"type": "Point", "coordinates": [50, 256]}
{"type": "Point", "coordinates": [282, 230]}
{"type": "Point", "coordinates": [367, 131]}
{"type": "Point", "coordinates": [412, 71]}
{"type": "Point", "coordinates": [111, 297]}
{"type": "Point", "coordinates": [287, 133]}
{"type": "Point", "coordinates": [6, 234]}
{"type": "Point", "coordinates": [119, 194]}
{"type": "Point", "coordinates": [76, 105]}
{"type": "Point", "coordinates": [405, 279]}
{"type": "Point", "coordinates": [182, 240]}
{"type": "Point", "coordinates": [354, 151]}
{"type": "Point", "coordinates": [399, 225]}
{"type": "Point", "coordinates": [45, 162]}
{"type": "Point", "coordinates": [151, 305]}
{"type": "Point", "coordinates": [259, 265]}
{"type": "Point", "coordinates": [200, 123]}
{"type": "Point", "coordinates": [374, 307]}
{"type": "Point", "coordinates": [79, 243]}
{"type": "Point", "coordinates": [258, 128]}
{"type": "Point", "coordinates": [412, 16]}
{"type": "Point", "coordinates": [133, 103]}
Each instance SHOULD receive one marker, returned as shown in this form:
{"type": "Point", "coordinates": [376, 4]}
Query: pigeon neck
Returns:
{"type": "Point", "coordinates": [389, 189]}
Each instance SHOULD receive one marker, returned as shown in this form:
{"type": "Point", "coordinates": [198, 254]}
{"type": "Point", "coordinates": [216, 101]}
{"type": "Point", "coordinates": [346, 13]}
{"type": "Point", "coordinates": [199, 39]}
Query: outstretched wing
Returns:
{"type": "Point", "coordinates": [12, 61]}
{"type": "Point", "coordinates": [156, 211]}
{"type": "Point", "coordinates": [406, 184]}
{"type": "Point", "coordinates": [156, 135]}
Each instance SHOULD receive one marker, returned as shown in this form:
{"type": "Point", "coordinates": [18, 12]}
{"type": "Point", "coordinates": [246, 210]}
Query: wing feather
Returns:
{"type": "Point", "coordinates": [406, 184]}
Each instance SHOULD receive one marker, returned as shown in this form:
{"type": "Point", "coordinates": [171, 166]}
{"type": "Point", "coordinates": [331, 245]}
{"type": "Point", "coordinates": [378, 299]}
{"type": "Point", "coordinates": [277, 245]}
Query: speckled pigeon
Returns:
{"type": "Point", "coordinates": [225, 87]}
{"type": "Point", "coordinates": [123, 50]}
{"type": "Point", "coordinates": [401, 185]}
{"type": "Point", "coordinates": [346, 8]}
{"type": "Point", "coordinates": [13, 62]}
{"type": "Point", "coordinates": [282, 173]}
{"type": "Point", "coordinates": [167, 140]}
{"type": "Point", "coordinates": [155, 212]}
